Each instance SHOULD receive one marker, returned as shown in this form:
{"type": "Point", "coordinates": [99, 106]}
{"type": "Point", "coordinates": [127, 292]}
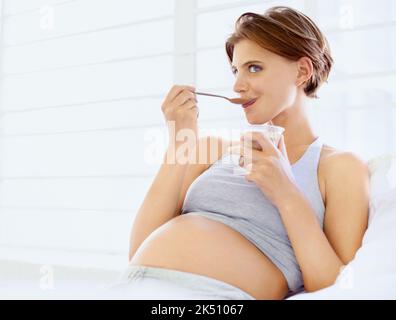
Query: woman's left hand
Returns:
{"type": "Point", "coordinates": [269, 168]}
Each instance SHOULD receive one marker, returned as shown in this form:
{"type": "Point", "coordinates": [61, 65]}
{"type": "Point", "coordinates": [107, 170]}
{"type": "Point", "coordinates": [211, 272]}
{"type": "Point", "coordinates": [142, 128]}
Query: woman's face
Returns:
{"type": "Point", "coordinates": [271, 79]}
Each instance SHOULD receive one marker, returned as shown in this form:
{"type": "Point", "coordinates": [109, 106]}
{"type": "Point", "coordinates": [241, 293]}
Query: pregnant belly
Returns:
{"type": "Point", "coordinates": [202, 246]}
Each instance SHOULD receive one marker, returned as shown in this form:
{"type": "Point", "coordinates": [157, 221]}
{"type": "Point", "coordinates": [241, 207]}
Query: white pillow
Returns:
{"type": "Point", "coordinates": [372, 272]}
{"type": "Point", "coordinates": [380, 183]}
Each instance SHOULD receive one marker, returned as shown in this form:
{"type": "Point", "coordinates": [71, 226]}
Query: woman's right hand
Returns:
{"type": "Point", "coordinates": [180, 110]}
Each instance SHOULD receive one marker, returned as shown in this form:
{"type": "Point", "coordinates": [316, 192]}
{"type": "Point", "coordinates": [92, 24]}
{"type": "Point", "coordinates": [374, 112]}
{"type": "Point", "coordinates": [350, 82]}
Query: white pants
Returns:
{"type": "Point", "coordinates": [153, 283]}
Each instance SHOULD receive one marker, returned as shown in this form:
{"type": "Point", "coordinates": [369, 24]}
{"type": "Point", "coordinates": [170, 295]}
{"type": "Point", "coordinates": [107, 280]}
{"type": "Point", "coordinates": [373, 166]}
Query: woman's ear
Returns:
{"type": "Point", "coordinates": [305, 70]}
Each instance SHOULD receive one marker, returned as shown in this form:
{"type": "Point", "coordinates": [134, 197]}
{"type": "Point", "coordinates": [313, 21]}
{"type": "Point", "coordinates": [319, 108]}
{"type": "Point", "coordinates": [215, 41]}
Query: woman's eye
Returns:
{"type": "Point", "coordinates": [253, 66]}
{"type": "Point", "coordinates": [235, 71]}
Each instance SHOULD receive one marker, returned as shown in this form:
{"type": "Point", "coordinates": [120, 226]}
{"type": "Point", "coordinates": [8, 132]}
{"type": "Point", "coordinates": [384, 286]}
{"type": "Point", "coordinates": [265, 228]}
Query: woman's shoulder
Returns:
{"type": "Point", "coordinates": [335, 160]}
{"type": "Point", "coordinates": [333, 156]}
{"type": "Point", "coordinates": [335, 165]}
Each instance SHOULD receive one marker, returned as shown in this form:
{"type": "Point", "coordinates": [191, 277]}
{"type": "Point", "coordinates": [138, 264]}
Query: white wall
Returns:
{"type": "Point", "coordinates": [77, 100]}
{"type": "Point", "coordinates": [81, 88]}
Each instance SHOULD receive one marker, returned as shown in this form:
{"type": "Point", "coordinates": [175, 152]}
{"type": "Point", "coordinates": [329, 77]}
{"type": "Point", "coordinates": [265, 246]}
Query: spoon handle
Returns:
{"type": "Point", "coordinates": [209, 94]}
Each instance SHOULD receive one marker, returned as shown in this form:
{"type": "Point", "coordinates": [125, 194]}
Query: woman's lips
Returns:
{"type": "Point", "coordinates": [251, 102]}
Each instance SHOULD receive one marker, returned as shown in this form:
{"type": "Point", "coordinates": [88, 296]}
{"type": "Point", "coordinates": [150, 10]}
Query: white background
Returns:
{"type": "Point", "coordinates": [81, 85]}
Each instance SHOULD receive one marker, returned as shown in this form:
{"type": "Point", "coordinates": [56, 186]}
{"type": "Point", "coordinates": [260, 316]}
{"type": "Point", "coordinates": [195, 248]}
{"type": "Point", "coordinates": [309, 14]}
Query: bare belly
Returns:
{"type": "Point", "coordinates": [202, 246]}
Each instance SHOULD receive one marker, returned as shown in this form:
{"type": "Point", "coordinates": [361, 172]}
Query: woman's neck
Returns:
{"type": "Point", "coordinates": [298, 131]}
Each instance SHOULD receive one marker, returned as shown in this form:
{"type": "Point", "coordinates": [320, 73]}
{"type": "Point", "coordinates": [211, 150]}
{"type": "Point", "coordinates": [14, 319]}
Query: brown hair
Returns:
{"type": "Point", "coordinates": [290, 34]}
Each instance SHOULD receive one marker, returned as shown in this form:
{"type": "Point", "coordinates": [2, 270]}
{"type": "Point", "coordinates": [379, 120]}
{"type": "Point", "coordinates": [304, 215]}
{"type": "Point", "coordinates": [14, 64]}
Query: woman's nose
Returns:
{"type": "Point", "coordinates": [240, 85]}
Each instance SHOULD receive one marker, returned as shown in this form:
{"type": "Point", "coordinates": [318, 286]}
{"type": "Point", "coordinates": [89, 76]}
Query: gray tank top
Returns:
{"type": "Point", "coordinates": [221, 195]}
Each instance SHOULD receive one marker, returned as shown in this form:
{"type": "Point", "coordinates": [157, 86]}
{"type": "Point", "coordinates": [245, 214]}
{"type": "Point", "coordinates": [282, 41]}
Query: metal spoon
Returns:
{"type": "Point", "coordinates": [232, 100]}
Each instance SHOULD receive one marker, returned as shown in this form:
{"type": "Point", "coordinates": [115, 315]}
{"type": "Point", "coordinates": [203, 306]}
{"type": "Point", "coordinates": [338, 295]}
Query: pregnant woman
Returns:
{"type": "Point", "coordinates": [292, 222]}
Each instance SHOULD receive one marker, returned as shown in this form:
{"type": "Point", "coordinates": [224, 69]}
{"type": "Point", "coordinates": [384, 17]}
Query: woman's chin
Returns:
{"type": "Point", "coordinates": [255, 120]}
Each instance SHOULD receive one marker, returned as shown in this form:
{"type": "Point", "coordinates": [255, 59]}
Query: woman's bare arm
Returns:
{"type": "Point", "coordinates": [322, 254]}
{"type": "Point", "coordinates": [165, 197]}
